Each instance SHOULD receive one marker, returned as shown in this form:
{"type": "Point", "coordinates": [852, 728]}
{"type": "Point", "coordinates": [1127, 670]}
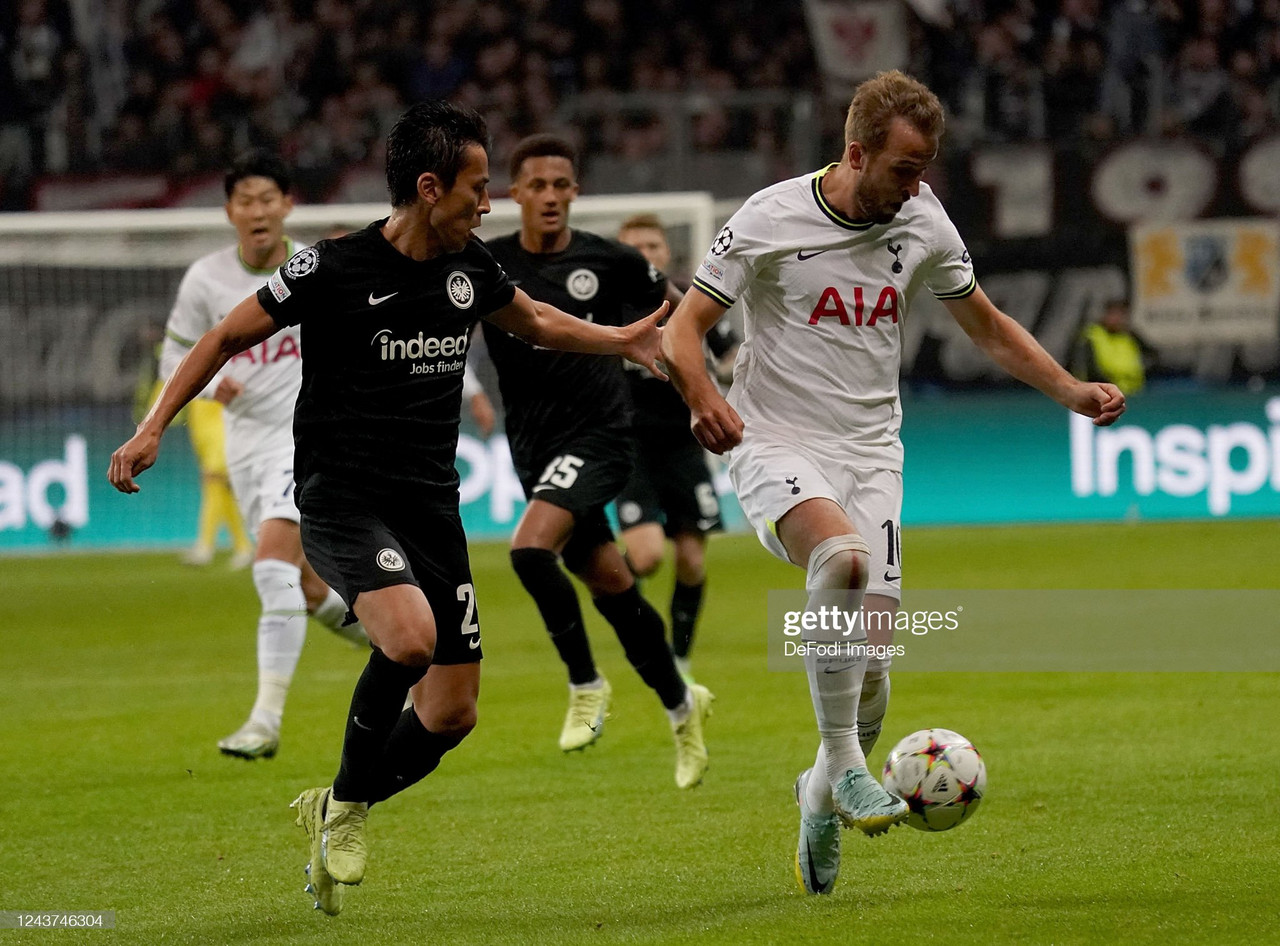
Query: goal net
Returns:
{"type": "Point", "coordinates": [83, 299]}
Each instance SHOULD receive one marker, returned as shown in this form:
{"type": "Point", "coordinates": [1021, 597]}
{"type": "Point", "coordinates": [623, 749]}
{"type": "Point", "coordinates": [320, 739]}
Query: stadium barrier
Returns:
{"type": "Point", "coordinates": [997, 457]}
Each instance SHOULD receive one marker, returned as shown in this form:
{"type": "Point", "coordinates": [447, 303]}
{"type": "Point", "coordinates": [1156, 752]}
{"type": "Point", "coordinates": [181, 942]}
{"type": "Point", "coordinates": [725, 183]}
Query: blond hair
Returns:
{"type": "Point", "coordinates": [643, 222]}
{"type": "Point", "coordinates": [886, 96]}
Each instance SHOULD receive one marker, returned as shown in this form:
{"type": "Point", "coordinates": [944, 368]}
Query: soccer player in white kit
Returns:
{"type": "Point", "coordinates": [826, 266]}
{"type": "Point", "coordinates": [258, 388]}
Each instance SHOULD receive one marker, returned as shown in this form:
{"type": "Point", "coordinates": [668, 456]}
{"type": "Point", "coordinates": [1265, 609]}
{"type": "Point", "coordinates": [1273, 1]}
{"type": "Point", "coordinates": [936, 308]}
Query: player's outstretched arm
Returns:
{"type": "Point", "coordinates": [1015, 350]}
{"type": "Point", "coordinates": [245, 326]}
{"type": "Point", "coordinates": [716, 425]}
{"type": "Point", "coordinates": [541, 324]}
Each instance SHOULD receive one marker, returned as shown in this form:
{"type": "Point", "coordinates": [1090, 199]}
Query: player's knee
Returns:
{"type": "Point", "coordinates": [840, 562]}
{"type": "Point", "coordinates": [604, 580]}
{"type": "Point", "coordinates": [411, 646]}
{"type": "Point", "coordinates": [642, 559]}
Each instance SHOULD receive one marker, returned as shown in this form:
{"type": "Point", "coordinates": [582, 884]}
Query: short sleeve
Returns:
{"type": "Point", "coordinates": [188, 320]}
{"type": "Point", "coordinates": [496, 288]}
{"type": "Point", "coordinates": [730, 265]}
{"type": "Point", "coordinates": [294, 288]}
{"type": "Point", "coordinates": [950, 274]}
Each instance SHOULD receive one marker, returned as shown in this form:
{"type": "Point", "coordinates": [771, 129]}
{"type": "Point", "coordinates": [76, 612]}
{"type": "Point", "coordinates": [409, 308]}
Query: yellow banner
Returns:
{"type": "Point", "coordinates": [1206, 281]}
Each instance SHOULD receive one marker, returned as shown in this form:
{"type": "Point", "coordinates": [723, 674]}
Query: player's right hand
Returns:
{"type": "Point", "coordinates": [227, 391]}
{"type": "Point", "coordinates": [138, 453]}
{"type": "Point", "coordinates": [644, 341]}
{"type": "Point", "coordinates": [716, 425]}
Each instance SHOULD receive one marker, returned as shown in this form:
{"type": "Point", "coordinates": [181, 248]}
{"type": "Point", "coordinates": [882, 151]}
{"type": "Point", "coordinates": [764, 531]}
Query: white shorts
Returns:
{"type": "Point", "coordinates": [264, 488]}
{"type": "Point", "coordinates": [771, 477]}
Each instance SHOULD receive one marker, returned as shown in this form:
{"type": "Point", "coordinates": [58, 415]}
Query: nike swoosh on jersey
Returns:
{"type": "Point", "coordinates": [474, 643]}
{"type": "Point", "coordinates": [801, 255]}
{"type": "Point", "coordinates": [888, 577]}
{"type": "Point", "coordinates": [543, 486]}
{"type": "Point", "coordinates": [374, 300]}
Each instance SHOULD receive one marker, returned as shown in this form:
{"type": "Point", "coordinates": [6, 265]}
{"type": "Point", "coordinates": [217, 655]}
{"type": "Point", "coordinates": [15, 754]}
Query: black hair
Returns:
{"type": "Point", "coordinates": [257, 163]}
{"type": "Point", "coordinates": [542, 146]}
{"type": "Point", "coordinates": [430, 137]}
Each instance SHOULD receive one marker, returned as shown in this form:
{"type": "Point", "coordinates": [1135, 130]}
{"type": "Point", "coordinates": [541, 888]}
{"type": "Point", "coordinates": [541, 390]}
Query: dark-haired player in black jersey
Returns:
{"type": "Point", "coordinates": [386, 314]}
{"type": "Point", "coordinates": [670, 492]}
{"type": "Point", "coordinates": [569, 425]}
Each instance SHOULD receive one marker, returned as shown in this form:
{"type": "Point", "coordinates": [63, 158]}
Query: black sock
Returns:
{"type": "Point", "coordinates": [411, 754]}
{"type": "Point", "coordinates": [639, 628]}
{"type": "Point", "coordinates": [557, 602]}
{"type": "Point", "coordinates": [375, 708]}
{"type": "Point", "coordinates": [686, 602]}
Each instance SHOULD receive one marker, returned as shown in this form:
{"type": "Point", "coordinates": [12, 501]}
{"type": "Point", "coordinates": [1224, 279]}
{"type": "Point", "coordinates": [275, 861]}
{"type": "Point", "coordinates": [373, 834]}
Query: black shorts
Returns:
{"type": "Point", "coordinates": [356, 548]}
{"type": "Point", "coordinates": [582, 476]}
{"type": "Point", "coordinates": [670, 485]}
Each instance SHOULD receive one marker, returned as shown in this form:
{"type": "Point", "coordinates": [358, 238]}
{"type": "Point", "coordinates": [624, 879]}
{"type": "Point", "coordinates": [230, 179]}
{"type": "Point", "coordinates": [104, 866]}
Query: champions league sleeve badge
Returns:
{"type": "Point", "coordinates": [302, 263]}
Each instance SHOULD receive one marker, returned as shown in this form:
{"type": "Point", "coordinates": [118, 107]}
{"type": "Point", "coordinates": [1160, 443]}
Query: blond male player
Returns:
{"type": "Point", "coordinates": [258, 389]}
{"type": "Point", "coordinates": [826, 266]}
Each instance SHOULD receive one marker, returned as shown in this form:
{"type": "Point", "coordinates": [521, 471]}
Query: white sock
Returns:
{"type": "Point", "coordinates": [836, 578]}
{"type": "Point", "coordinates": [678, 714]}
{"type": "Point", "coordinates": [332, 612]}
{"type": "Point", "coordinates": [835, 701]}
{"type": "Point", "coordinates": [282, 629]}
{"type": "Point", "coordinates": [872, 706]}
{"type": "Point", "coordinates": [595, 684]}
{"type": "Point", "coordinates": [817, 791]}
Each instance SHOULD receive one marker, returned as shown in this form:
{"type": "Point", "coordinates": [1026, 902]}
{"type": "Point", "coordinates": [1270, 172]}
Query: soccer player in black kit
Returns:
{"type": "Point", "coordinates": [568, 422]}
{"type": "Point", "coordinates": [670, 492]}
{"type": "Point", "coordinates": [386, 314]}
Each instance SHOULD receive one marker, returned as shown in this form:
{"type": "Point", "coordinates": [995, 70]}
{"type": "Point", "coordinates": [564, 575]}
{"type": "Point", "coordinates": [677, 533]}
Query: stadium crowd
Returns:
{"type": "Point", "coordinates": [177, 86]}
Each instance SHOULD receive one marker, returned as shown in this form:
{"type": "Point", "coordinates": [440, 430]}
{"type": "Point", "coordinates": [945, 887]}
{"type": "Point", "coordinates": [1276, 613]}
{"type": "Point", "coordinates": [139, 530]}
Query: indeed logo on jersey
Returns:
{"type": "Point", "coordinates": [832, 305]}
{"type": "Point", "coordinates": [421, 348]}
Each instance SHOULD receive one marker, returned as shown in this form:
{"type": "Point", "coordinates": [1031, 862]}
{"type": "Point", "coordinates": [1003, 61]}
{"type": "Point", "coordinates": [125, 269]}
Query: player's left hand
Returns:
{"type": "Point", "coordinates": [136, 454]}
{"type": "Point", "coordinates": [644, 341]}
{"type": "Point", "coordinates": [1103, 402]}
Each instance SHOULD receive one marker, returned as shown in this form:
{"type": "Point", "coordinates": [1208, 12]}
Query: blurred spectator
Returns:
{"type": "Point", "coordinates": [1200, 91]}
{"type": "Point", "coordinates": [1109, 350]}
{"type": "Point", "coordinates": [35, 63]}
{"type": "Point", "coordinates": [16, 162]}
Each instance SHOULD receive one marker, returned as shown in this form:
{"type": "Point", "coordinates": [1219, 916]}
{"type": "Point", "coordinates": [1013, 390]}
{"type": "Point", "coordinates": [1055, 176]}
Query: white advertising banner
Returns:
{"type": "Point", "coordinates": [1206, 281]}
{"type": "Point", "coordinates": [855, 39]}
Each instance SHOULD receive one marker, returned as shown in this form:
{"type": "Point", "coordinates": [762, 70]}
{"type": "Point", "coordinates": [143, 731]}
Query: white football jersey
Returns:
{"type": "Point", "coordinates": [261, 418]}
{"type": "Point", "coordinates": [823, 304]}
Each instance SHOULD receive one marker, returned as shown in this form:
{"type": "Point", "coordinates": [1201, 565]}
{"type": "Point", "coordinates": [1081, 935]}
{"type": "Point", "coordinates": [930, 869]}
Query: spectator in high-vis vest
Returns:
{"type": "Point", "coordinates": [1108, 350]}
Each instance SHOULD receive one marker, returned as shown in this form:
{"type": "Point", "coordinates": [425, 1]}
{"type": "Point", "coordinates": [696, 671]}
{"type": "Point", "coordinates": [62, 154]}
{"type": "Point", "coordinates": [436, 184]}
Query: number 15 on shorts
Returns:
{"type": "Point", "coordinates": [561, 473]}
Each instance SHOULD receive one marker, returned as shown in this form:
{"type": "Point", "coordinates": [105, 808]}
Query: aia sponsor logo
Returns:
{"type": "Point", "coordinates": [280, 346]}
{"type": "Point", "coordinates": [832, 305]}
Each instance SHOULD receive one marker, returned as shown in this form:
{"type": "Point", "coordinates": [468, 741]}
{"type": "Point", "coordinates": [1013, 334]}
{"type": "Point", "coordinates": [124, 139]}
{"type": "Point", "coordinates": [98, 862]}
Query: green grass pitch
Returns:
{"type": "Point", "coordinates": [1135, 807]}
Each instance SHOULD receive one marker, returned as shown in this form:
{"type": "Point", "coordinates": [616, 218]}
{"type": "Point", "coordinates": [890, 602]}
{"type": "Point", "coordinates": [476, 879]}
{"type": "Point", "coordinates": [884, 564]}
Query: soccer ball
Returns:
{"type": "Point", "coordinates": [940, 775]}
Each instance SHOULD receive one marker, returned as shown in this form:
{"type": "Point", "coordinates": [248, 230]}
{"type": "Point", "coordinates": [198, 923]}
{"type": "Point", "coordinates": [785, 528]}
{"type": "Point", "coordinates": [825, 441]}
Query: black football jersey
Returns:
{"type": "Point", "coordinates": [657, 403]}
{"type": "Point", "coordinates": [384, 345]}
{"type": "Point", "coordinates": [551, 397]}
